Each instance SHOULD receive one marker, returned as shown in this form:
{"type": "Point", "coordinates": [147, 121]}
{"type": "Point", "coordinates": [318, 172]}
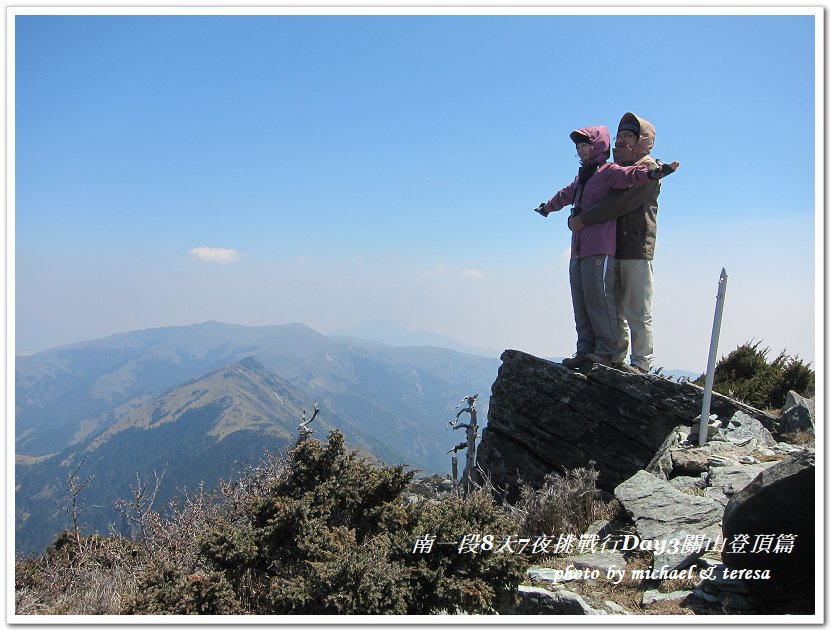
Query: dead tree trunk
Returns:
{"type": "Point", "coordinates": [468, 477]}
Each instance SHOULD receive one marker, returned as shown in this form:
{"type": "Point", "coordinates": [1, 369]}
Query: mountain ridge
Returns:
{"type": "Point", "coordinates": [201, 396]}
{"type": "Point", "coordinates": [64, 385]}
{"type": "Point", "coordinates": [246, 379]}
{"type": "Point", "coordinates": [180, 443]}
{"type": "Point", "coordinates": [391, 333]}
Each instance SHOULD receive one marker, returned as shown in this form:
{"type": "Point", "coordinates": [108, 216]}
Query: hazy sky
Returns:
{"type": "Point", "coordinates": [328, 170]}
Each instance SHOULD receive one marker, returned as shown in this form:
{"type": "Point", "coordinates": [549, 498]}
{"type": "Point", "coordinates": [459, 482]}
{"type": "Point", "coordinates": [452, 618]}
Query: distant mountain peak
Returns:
{"type": "Point", "coordinates": [391, 333]}
{"type": "Point", "coordinates": [250, 363]}
{"type": "Point", "coordinates": [241, 396]}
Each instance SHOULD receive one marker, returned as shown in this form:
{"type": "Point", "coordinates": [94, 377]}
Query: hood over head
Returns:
{"type": "Point", "coordinates": [600, 140]}
{"type": "Point", "coordinates": [645, 142]}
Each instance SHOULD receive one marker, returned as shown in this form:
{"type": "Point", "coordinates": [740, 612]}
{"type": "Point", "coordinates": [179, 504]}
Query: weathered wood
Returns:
{"type": "Point", "coordinates": [468, 478]}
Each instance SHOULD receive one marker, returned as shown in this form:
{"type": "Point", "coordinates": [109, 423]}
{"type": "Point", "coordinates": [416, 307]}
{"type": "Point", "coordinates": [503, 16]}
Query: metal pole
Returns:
{"type": "Point", "coordinates": [713, 351]}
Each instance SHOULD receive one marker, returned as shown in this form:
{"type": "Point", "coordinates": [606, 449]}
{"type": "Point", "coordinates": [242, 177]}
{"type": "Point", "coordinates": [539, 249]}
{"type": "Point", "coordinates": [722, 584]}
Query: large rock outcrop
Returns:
{"type": "Point", "coordinates": [737, 514]}
{"type": "Point", "coordinates": [777, 513]}
{"type": "Point", "coordinates": [546, 418]}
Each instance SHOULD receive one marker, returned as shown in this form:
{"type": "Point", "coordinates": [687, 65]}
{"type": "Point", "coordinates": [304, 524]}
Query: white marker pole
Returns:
{"type": "Point", "coordinates": [713, 351]}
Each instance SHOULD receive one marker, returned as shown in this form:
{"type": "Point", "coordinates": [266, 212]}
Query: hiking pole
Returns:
{"type": "Point", "coordinates": [713, 351]}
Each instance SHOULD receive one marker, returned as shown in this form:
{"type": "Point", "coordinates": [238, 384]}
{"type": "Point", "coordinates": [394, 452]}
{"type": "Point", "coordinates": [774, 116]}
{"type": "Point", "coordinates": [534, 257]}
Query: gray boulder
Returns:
{"type": "Point", "coordinates": [615, 608]}
{"type": "Point", "coordinates": [605, 528]}
{"type": "Point", "coordinates": [712, 427]}
{"type": "Point", "coordinates": [662, 464]}
{"type": "Point", "coordinates": [742, 429]}
{"type": "Point", "coordinates": [725, 481]}
{"type": "Point", "coordinates": [601, 561]}
{"type": "Point", "coordinates": [539, 601]}
{"type": "Point", "coordinates": [689, 484]}
{"type": "Point", "coordinates": [799, 414]}
{"type": "Point", "coordinates": [690, 461]}
{"type": "Point", "coordinates": [777, 506]}
{"type": "Point", "coordinates": [545, 418]}
{"type": "Point", "coordinates": [664, 515]}
{"type": "Point", "coordinates": [554, 576]}
{"type": "Point", "coordinates": [653, 596]}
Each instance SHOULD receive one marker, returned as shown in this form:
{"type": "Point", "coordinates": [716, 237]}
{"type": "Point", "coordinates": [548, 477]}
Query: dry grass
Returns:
{"type": "Point", "coordinates": [629, 592]}
{"type": "Point", "coordinates": [800, 438]}
{"type": "Point", "coordinates": [563, 505]}
{"type": "Point", "coordinates": [763, 457]}
{"type": "Point", "coordinates": [91, 581]}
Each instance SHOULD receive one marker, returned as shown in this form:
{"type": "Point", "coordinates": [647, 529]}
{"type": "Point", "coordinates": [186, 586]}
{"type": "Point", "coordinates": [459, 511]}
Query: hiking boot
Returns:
{"type": "Point", "coordinates": [602, 359]}
{"type": "Point", "coordinates": [575, 362]}
{"type": "Point", "coordinates": [629, 369]}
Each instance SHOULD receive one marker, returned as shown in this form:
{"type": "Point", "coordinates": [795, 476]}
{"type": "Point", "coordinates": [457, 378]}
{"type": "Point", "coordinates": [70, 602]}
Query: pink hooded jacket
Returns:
{"type": "Point", "coordinates": [597, 238]}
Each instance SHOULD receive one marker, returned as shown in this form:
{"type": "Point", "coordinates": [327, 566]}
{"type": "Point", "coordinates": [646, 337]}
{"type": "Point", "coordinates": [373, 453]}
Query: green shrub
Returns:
{"type": "Point", "coordinates": [229, 545]}
{"type": "Point", "coordinates": [360, 579]}
{"type": "Point", "coordinates": [166, 590]}
{"type": "Point", "coordinates": [746, 375]}
{"type": "Point", "coordinates": [446, 580]}
{"type": "Point", "coordinates": [322, 531]}
{"type": "Point", "coordinates": [333, 536]}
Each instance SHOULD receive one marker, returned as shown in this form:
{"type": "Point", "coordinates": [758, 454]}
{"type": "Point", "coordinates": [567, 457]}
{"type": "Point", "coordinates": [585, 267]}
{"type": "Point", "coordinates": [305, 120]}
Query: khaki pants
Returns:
{"type": "Point", "coordinates": [634, 294]}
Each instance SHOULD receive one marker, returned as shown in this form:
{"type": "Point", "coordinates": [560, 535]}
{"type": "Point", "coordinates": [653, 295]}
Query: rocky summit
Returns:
{"type": "Point", "coordinates": [736, 515]}
{"type": "Point", "coordinates": [545, 418]}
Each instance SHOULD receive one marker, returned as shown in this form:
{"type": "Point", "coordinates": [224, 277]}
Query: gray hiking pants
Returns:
{"type": "Point", "coordinates": [595, 311]}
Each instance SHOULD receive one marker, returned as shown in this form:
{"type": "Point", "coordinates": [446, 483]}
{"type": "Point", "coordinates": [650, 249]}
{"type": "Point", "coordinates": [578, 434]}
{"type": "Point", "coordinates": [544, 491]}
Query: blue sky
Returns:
{"type": "Point", "coordinates": [331, 169]}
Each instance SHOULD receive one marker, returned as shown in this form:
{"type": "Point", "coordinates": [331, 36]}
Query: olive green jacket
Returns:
{"type": "Point", "coordinates": [634, 208]}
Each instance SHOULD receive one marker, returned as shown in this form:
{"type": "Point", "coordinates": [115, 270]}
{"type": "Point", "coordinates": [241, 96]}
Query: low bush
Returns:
{"type": "Point", "coordinates": [320, 531]}
{"type": "Point", "coordinates": [746, 375]}
{"type": "Point", "coordinates": [334, 536]}
{"type": "Point", "coordinates": [563, 505]}
{"type": "Point", "coordinates": [71, 579]}
{"type": "Point", "coordinates": [166, 590]}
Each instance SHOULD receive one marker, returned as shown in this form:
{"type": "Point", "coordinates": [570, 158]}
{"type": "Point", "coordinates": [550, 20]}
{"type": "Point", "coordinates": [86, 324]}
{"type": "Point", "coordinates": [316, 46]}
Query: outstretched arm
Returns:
{"type": "Point", "coordinates": [558, 201]}
{"type": "Point", "coordinates": [663, 170]}
{"type": "Point", "coordinates": [619, 203]}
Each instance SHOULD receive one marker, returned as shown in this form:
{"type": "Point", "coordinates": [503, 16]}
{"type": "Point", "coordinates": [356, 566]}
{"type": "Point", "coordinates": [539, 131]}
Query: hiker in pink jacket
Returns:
{"type": "Point", "coordinates": [593, 248]}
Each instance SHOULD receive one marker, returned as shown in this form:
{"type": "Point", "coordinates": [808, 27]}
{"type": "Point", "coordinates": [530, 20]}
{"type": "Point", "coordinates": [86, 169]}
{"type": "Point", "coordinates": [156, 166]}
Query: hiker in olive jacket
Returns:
{"type": "Point", "coordinates": [592, 266]}
{"type": "Point", "coordinates": [636, 212]}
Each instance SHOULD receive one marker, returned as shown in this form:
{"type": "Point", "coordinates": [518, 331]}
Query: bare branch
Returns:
{"type": "Point", "coordinates": [70, 498]}
{"type": "Point", "coordinates": [305, 432]}
{"type": "Point", "coordinates": [139, 510]}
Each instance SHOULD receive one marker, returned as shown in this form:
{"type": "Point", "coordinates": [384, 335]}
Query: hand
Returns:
{"type": "Point", "coordinates": [575, 223]}
{"type": "Point", "coordinates": [541, 210]}
{"type": "Point", "coordinates": [663, 170]}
